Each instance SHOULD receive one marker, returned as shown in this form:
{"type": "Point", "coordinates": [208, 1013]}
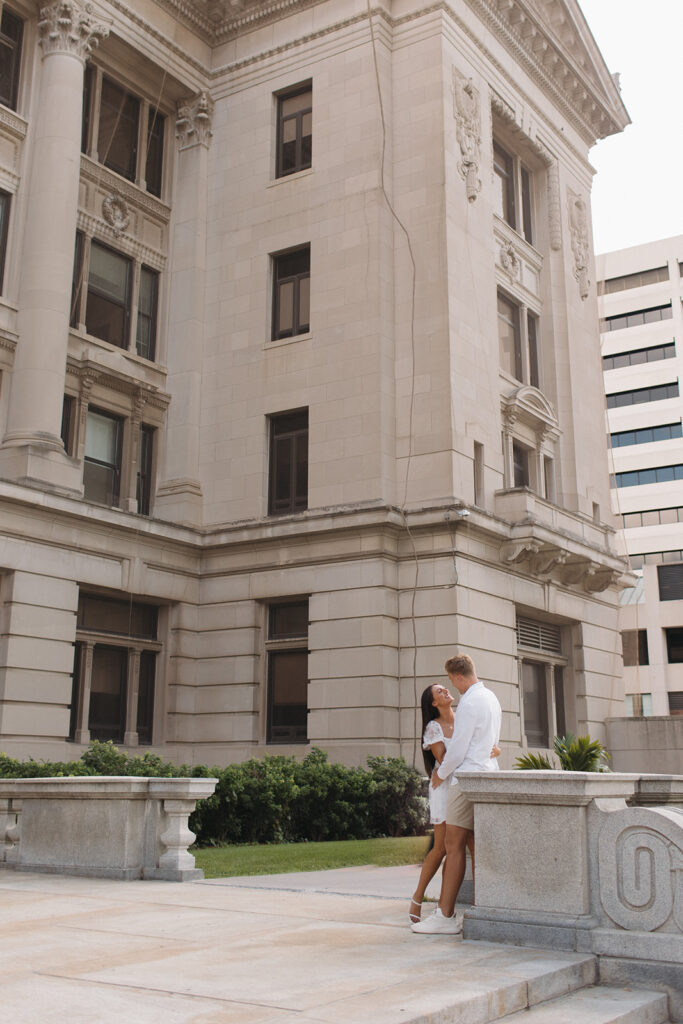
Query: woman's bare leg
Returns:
{"type": "Point", "coordinates": [430, 866]}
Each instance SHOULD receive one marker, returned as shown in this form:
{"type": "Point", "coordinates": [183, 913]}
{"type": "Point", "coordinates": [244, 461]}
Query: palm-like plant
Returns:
{"type": "Point", "coordinates": [575, 753]}
{"type": "Point", "coordinates": [534, 762]}
{"type": "Point", "coordinates": [580, 754]}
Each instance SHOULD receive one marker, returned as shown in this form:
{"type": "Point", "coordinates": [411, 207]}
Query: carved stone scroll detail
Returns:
{"type": "Point", "coordinates": [578, 227]}
{"type": "Point", "coordinates": [466, 111]}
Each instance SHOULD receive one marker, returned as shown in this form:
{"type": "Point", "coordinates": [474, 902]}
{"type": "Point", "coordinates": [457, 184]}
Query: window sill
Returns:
{"type": "Point", "coordinates": [296, 176]}
{"type": "Point", "coordinates": [279, 342]}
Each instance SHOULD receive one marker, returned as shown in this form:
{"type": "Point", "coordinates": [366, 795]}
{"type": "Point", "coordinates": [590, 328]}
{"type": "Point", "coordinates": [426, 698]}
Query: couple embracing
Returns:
{"type": "Point", "coordinates": [466, 741]}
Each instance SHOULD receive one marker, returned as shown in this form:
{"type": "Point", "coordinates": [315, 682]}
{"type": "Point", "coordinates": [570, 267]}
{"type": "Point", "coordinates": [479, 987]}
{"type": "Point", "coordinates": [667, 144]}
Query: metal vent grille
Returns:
{"type": "Point", "coordinates": [539, 636]}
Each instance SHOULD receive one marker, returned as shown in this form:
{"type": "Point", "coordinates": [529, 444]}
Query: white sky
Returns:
{"type": "Point", "coordinates": [638, 190]}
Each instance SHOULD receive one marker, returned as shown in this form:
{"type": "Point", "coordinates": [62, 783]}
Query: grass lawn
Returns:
{"type": "Point", "coordinates": [227, 861]}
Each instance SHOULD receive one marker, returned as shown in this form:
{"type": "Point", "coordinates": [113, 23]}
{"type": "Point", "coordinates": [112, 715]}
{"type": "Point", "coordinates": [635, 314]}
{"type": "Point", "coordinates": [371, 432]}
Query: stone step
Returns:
{"type": "Point", "coordinates": [597, 1005]}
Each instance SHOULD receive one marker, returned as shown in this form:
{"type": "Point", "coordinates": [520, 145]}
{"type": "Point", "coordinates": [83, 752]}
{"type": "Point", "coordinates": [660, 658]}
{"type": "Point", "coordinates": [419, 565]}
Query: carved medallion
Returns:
{"type": "Point", "coordinates": [115, 212]}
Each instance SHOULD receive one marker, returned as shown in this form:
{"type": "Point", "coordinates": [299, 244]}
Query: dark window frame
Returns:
{"type": "Point", "coordinates": [282, 278]}
{"type": "Point", "coordinates": [656, 353]}
{"type": "Point", "coordinates": [12, 45]}
{"type": "Point", "coordinates": [288, 432]}
{"type": "Point", "coordinates": [115, 467]}
{"type": "Point", "coordinates": [303, 152]}
{"type": "Point", "coordinates": [5, 211]}
{"type": "Point", "coordinates": [634, 647]}
{"type": "Point", "coordinates": [125, 306]}
{"type": "Point", "coordinates": [120, 627]}
{"type": "Point", "coordinates": [147, 164]}
{"type": "Point", "coordinates": [145, 469]}
{"type": "Point", "coordinates": [515, 182]}
{"type": "Point", "coordinates": [639, 396]}
{"type": "Point", "coordinates": [282, 648]}
{"type": "Point", "coordinates": [147, 349]}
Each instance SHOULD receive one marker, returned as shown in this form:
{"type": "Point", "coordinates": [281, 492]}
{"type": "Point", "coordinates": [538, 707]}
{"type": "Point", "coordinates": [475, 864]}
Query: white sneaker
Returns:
{"type": "Point", "coordinates": [437, 924]}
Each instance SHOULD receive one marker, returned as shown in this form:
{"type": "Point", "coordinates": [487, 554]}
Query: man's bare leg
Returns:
{"type": "Point", "coordinates": [454, 868]}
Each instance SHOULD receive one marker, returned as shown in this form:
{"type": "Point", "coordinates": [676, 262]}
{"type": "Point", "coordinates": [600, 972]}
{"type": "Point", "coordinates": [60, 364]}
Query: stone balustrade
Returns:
{"type": "Point", "coordinates": [586, 862]}
{"type": "Point", "coordinates": [106, 827]}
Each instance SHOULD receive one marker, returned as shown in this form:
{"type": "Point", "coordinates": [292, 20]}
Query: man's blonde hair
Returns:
{"type": "Point", "coordinates": [461, 665]}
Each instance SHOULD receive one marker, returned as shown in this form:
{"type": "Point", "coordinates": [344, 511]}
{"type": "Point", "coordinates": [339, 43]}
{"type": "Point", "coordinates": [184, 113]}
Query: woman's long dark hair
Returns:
{"type": "Point", "coordinates": [429, 713]}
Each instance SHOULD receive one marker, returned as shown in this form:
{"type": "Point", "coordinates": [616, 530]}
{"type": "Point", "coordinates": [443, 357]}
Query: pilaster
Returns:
{"type": "Point", "coordinates": [179, 494]}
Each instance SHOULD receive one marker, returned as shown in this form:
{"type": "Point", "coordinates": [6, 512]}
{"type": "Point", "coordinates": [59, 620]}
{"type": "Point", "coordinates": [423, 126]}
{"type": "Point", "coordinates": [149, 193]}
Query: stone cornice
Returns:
{"type": "Point", "coordinates": [12, 125]}
{"type": "Point", "coordinates": [546, 37]}
{"type": "Point", "coordinates": [93, 372]}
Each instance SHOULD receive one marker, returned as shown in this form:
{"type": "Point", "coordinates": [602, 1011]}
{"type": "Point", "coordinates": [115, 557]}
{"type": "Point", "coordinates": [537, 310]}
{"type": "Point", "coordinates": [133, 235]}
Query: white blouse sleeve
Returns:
{"type": "Point", "coordinates": [432, 734]}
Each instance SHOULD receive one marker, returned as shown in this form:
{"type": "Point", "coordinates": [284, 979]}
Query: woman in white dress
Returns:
{"type": "Point", "coordinates": [437, 731]}
{"type": "Point", "coordinates": [438, 718]}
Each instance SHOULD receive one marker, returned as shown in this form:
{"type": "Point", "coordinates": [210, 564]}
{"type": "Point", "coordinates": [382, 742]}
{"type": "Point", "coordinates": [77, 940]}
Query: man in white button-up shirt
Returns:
{"type": "Point", "coordinates": [476, 731]}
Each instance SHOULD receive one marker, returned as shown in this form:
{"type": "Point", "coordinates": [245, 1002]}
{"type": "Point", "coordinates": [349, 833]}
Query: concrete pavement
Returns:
{"type": "Point", "coordinates": [318, 948]}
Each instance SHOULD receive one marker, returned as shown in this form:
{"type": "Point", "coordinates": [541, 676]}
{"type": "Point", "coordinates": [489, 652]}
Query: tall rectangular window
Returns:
{"type": "Point", "coordinates": [68, 431]}
{"type": "Point", "coordinates": [532, 339]}
{"type": "Point", "coordinates": [123, 131]}
{"type": "Point", "coordinates": [513, 202]}
{"type": "Point", "coordinates": [520, 465]}
{"type": "Point", "coordinates": [107, 313]}
{"type": "Point", "coordinates": [634, 647]}
{"type": "Point", "coordinates": [288, 484]}
{"type": "Point", "coordinates": [144, 486]}
{"type": "Point", "coordinates": [674, 645]}
{"type": "Point", "coordinates": [510, 337]}
{"type": "Point", "coordinates": [535, 696]}
{"type": "Point", "coordinates": [155, 151]}
{"type": "Point", "coordinates": [291, 292]}
{"type": "Point", "coordinates": [287, 658]}
{"type": "Point", "coordinates": [102, 462]}
{"type": "Point", "coordinates": [118, 129]}
{"type": "Point", "coordinates": [294, 130]}
{"type": "Point", "coordinates": [5, 201]}
{"type": "Point", "coordinates": [116, 647]}
{"type": "Point", "coordinates": [147, 313]}
{"type": "Point", "coordinates": [11, 35]}
{"type": "Point", "coordinates": [478, 473]}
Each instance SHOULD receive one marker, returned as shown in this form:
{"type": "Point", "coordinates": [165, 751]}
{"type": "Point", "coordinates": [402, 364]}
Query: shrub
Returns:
{"type": "Point", "coordinates": [273, 799]}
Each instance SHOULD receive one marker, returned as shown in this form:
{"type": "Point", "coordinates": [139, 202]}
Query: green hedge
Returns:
{"type": "Point", "coordinates": [276, 799]}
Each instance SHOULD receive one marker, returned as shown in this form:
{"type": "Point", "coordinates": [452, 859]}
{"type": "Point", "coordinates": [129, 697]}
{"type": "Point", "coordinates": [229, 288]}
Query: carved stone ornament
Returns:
{"type": "Point", "coordinates": [115, 212]}
{"type": "Point", "coordinates": [67, 26]}
{"type": "Point", "coordinates": [193, 125]}
{"type": "Point", "coordinates": [640, 866]}
{"type": "Point", "coordinates": [510, 261]}
{"type": "Point", "coordinates": [578, 227]}
{"type": "Point", "coordinates": [468, 132]}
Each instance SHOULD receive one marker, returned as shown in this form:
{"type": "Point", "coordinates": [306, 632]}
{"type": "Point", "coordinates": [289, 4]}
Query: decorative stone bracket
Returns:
{"type": "Point", "coordinates": [101, 827]}
{"type": "Point", "coordinates": [550, 560]}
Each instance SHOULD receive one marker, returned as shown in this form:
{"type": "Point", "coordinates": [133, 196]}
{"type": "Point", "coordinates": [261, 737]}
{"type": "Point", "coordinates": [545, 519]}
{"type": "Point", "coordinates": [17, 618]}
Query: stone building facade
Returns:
{"type": "Point", "coordinates": [301, 383]}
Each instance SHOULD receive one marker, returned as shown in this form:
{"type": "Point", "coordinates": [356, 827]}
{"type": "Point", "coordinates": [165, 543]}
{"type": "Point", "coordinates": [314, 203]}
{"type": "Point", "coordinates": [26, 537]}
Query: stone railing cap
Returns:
{"type": "Point", "coordinates": [546, 787]}
{"type": "Point", "coordinates": [93, 787]}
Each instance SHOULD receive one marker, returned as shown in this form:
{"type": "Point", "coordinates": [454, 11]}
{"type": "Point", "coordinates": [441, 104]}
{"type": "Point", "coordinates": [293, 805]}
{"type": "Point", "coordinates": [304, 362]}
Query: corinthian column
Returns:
{"type": "Point", "coordinates": [179, 494]}
{"type": "Point", "coordinates": [32, 450]}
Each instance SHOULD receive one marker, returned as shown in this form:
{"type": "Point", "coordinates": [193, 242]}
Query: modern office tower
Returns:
{"type": "Point", "coordinates": [300, 374]}
{"type": "Point", "coordinates": [639, 298]}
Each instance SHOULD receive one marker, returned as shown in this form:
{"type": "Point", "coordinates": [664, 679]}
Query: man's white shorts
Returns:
{"type": "Point", "coordinates": [459, 810]}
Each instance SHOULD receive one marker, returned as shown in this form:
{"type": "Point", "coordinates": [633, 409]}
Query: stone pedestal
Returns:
{"type": "Point", "coordinates": [563, 861]}
{"type": "Point", "coordinates": [103, 827]}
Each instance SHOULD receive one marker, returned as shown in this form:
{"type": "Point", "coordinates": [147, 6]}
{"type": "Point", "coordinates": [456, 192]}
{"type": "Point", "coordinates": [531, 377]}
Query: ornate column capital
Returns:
{"type": "Point", "coordinates": [193, 125]}
{"type": "Point", "coordinates": [68, 26]}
